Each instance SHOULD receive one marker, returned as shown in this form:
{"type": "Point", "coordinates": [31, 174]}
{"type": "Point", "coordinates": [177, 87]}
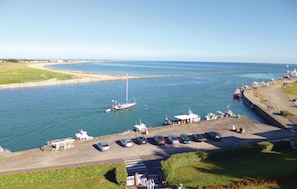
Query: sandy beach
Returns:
{"type": "Point", "coordinates": [81, 77]}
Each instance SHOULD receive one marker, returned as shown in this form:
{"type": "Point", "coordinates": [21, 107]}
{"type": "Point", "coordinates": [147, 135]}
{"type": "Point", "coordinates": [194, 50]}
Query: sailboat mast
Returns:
{"type": "Point", "coordinates": [127, 88]}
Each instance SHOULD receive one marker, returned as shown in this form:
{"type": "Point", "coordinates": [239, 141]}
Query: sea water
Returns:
{"type": "Point", "coordinates": [29, 117]}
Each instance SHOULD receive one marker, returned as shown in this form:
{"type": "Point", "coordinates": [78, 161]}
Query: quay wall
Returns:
{"type": "Point", "coordinates": [261, 111]}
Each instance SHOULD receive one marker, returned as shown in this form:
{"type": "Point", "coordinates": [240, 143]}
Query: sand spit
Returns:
{"type": "Point", "coordinates": [81, 77]}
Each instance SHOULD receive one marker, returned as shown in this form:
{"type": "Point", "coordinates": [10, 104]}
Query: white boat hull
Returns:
{"type": "Point", "coordinates": [125, 106]}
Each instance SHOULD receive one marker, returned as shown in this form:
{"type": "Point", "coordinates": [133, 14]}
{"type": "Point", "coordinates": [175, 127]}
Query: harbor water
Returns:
{"type": "Point", "coordinates": [29, 117]}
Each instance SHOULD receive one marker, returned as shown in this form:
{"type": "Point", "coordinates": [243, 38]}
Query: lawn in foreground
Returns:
{"type": "Point", "coordinates": [79, 183]}
{"type": "Point", "coordinates": [21, 73]}
{"type": "Point", "coordinates": [225, 171]}
{"type": "Point", "coordinates": [106, 175]}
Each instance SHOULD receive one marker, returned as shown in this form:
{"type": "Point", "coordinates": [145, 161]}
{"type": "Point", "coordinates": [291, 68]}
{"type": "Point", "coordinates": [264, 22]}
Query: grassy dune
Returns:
{"type": "Point", "coordinates": [21, 73]}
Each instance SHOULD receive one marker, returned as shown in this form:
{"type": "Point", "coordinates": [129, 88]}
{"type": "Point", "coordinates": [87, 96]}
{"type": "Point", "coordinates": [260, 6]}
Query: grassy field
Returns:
{"type": "Point", "coordinates": [228, 170]}
{"type": "Point", "coordinates": [79, 183]}
{"type": "Point", "coordinates": [95, 176]}
{"type": "Point", "coordinates": [21, 73]}
{"type": "Point", "coordinates": [291, 90]}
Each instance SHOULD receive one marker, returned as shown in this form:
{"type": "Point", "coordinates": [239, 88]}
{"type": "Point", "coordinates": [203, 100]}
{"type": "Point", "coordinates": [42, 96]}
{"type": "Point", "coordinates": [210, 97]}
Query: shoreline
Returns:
{"type": "Point", "coordinates": [82, 77]}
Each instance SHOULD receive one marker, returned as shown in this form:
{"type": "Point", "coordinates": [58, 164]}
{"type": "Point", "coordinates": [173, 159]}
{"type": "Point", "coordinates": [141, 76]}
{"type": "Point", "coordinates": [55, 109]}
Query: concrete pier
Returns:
{"type": "Point", "coordinates": [268, 101]}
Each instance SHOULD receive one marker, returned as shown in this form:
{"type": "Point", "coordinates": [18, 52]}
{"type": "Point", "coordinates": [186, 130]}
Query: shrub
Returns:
{"type": "Point", "coordinates": [121, 174]}
{"type": "Point", "coordinates": [265, 146]}
{"type": "Point", "coordinates": [286, 113]}
{"type": "Point", "coordinates": [177, 160]}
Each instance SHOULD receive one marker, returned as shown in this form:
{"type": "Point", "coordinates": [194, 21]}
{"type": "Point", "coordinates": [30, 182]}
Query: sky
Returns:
{"type": "Point", "coordinates": [173, 30]}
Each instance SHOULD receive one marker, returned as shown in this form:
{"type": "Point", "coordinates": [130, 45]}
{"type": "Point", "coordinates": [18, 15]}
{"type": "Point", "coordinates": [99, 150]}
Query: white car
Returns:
{"type": "Point", "coordinates": [102, 146]}
{"type": "Point", "coordinates": [126, 142]}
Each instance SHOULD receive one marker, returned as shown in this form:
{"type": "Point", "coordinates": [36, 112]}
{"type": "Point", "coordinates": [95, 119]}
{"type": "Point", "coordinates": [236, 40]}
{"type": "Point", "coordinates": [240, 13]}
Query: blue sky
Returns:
{"type": "Point", "coordinates": [191, 30]}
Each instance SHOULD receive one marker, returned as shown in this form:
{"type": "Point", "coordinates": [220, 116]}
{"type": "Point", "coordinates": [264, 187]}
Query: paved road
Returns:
{"type": "Point", "coordinates": [84, 153]}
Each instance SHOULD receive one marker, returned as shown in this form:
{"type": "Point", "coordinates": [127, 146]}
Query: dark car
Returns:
{"type": "Point", "coordinates": [172, 139]}
{"type": "Point", "coordinates": [140, 140]}
{"type": "Point", "coordinates": [159, 140]}
{"type": "Point", "coordinates": [197, 137]}
{"type": "Point", "coordinates": [212, 135]}
{"type": "Point", "coordinates": [184, 138]}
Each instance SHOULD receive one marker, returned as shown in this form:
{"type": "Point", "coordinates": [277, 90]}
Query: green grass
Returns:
{"type": "Point", "coordinates": [229, 170]}
{"type": "Point", "coordinates": [79, 183]}
{"type": "Point", "coordinates": [94, 176]}
{"type": "Point", "coordinates": [21, 73]}
{"type": "Point", "coordinates": [292, 89]}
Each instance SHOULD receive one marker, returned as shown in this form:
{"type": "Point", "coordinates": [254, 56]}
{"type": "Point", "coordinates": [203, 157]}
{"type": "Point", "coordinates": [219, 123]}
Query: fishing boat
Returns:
{"type": "Point", "coordinates": [210, 116]}
{"type": "Point", "coordinates": [188, 118]}
{"type": "Point", "coordinates": [124, 106]}
{"type": "Point", "coordinates": [237, 93]}
{"type": "Point", "coordinates": [141, 127]}
{"type": "Point", "coordinates": [83, 136]}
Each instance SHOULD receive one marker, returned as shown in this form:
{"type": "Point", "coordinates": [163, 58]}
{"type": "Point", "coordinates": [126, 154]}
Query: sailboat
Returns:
{"type": "Point", "coordinates": [126, 105]}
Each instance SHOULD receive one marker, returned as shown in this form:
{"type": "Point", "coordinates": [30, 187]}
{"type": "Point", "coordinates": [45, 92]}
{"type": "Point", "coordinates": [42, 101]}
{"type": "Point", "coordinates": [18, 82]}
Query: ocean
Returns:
{"type": "Point", "coordinates": [29, 117]}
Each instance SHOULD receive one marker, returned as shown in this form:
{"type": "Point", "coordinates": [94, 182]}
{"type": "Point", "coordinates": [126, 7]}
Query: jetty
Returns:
{"type": "Point", "coordinates": [268, 100]}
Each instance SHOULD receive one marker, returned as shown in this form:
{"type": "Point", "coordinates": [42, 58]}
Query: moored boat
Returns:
{"type": "Point", "coordinates": [123, 106]}
{"type": "Point", "coordinates": [210, 116]}
{"type": "Point", "coordinates": [237, 93]}
{"type": "Point", "coordinates": [83, 135]}
{"type": "Point", "coordinates": [188, 118]}
{"type": "Point", "coordinates": [141, 127]}
{"type": "Point", "coordinates": [4, 150]}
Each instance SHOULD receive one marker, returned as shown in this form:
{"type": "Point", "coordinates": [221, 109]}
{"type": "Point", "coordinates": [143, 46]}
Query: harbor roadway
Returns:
{"type": "Point", "coordinates": [84, 153]}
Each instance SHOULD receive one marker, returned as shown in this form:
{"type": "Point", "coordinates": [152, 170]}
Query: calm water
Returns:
{"type": "Point", "coordinates": [30, 117]}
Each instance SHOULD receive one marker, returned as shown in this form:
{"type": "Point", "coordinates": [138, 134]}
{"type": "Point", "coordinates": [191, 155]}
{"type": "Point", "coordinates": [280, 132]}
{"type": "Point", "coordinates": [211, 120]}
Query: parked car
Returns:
{"type": "Point", "coordinates": [173, 139]}
{"type": "Point", "coordinates": [126, 142]}
{"type": "Point", "coordinates": [102, 146]}
{"type": "Point", "coordinates": [212, 135]}
{"type": "Point", "coordinates": [140, 140]}
{"type": "Point", "coordinates": [185, 139]}
{"type": "Point", "coordinates": [197, 137]}
{"type": "Point", "coordinates": [159, 140]}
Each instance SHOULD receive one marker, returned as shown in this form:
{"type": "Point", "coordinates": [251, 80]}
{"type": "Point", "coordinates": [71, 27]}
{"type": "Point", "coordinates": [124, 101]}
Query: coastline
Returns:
{"type": "Point", "coordinates": [82, 77]}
